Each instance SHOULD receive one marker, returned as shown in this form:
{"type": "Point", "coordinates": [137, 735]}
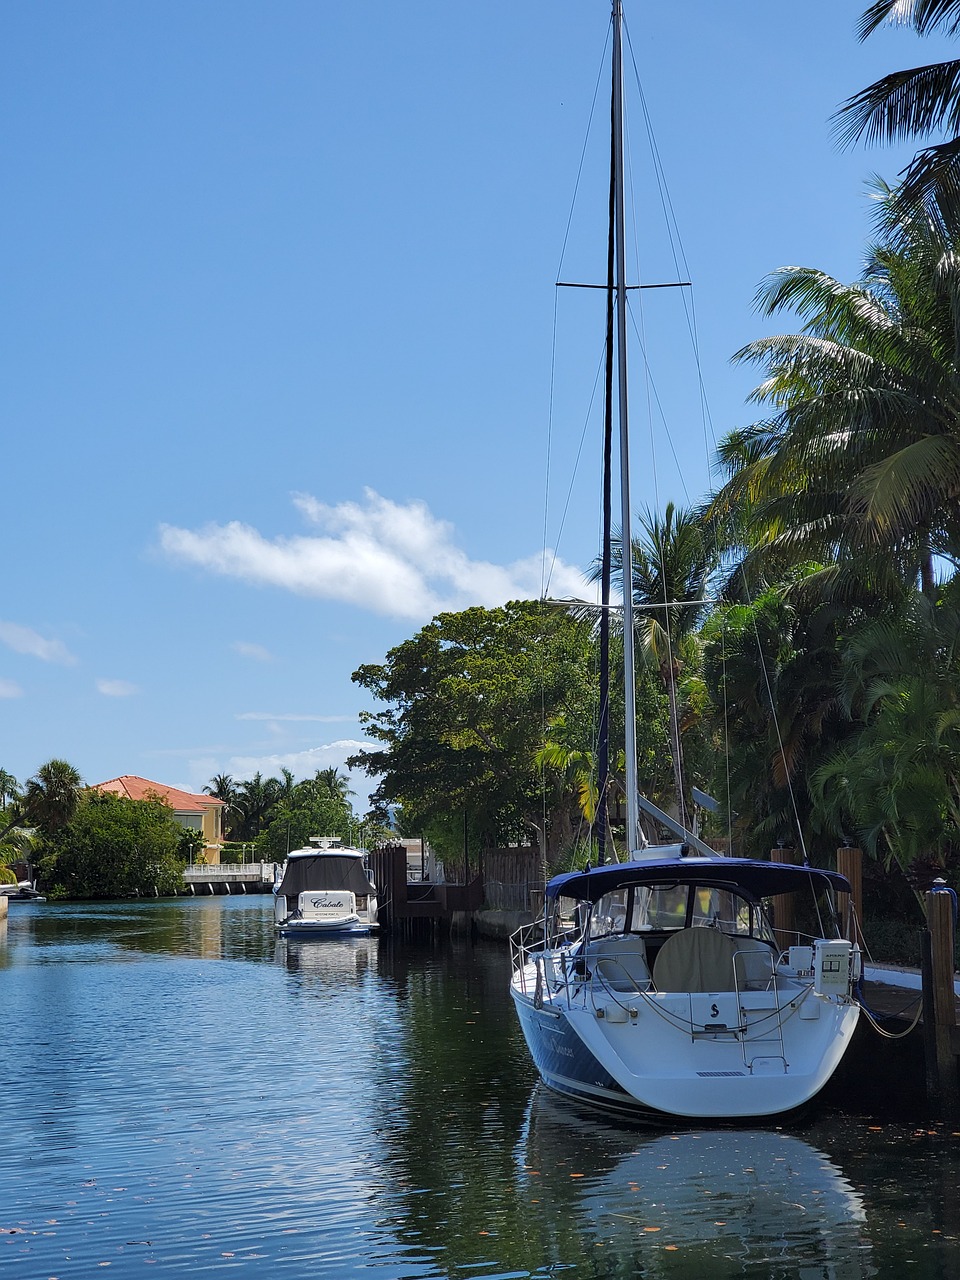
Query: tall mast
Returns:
{"type": "Point", "coordinates": [603, 728]}
{"type": "Point", "coordinates": [629, 674]}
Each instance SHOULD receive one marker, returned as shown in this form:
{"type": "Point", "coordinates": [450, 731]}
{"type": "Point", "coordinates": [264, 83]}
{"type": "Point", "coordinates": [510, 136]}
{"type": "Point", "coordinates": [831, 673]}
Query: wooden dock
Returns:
{"type": "Point", "coordinates": [420, 908]}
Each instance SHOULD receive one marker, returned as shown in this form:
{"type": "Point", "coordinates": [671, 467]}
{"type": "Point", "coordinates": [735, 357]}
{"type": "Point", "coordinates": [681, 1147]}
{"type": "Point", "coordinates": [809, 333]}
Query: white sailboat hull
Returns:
{"type": "Point", "coordinates": [656, 1052]}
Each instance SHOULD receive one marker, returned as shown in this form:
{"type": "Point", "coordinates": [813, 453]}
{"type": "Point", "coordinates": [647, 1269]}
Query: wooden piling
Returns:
{"type": "Point", "coordinates": [850, 905]}
{"type": "Point", "coordinates": [942, 1001]}
{"type": "Point", "coordinates": [783, 907]}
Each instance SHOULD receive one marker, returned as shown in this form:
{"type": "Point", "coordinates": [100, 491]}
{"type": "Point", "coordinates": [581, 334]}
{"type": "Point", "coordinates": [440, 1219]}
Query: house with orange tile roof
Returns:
{"type": "Point", "coordinates": [197, 812]}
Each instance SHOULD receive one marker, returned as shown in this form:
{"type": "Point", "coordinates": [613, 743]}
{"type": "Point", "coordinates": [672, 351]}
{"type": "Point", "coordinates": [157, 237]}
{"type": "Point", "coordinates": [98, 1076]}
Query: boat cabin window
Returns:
{"type": "Point", "coordinates": [723, 910]}
{"type": "Point", "coordinates": [667, 907]}
{"type": "Point", "coordinates": [659, 907]}
{"type": "Point", "coordinates": [566, 917]}
{"type": "Point", "coordinates": [609, 914]}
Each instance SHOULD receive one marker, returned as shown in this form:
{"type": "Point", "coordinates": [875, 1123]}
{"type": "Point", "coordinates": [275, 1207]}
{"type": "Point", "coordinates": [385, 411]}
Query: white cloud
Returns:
{"type": "Point", "coordinates": [25, 640]}
{"type": "Point", "coordinates": [10, 689]}
{"type": "Point", "coordinates": [295, 716]}
{"type": "Point", "coordinates": [255, 651]}
{"type": "Point", "coordinates": [397, 560]}
{"type": "Point", "coordinates": [116, 688]}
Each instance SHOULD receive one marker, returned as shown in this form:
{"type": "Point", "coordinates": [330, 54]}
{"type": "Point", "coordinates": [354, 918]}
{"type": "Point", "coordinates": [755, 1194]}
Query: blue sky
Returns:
{"type": "Point", "coordinates": [279, 328]}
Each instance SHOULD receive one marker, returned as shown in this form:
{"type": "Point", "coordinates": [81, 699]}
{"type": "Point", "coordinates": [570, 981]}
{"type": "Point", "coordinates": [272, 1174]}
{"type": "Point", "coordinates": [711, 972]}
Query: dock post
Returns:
{"type": "Point", "coordinates": [850, 905]}
{"type": "Point", "coordinates": [783, 913]}
{"type": "Point", "coordinates": [941, 904]}
{"type": "Point", "coordinates": [4, 906]}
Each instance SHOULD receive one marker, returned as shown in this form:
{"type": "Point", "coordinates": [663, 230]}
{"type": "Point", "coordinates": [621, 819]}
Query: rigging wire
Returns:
{"type": "Point", "coordinates": [545, 574]}
{"type": "Point", "coordinates": [553, 357]}
{"type": "Point", "coordinates": [709, 439]}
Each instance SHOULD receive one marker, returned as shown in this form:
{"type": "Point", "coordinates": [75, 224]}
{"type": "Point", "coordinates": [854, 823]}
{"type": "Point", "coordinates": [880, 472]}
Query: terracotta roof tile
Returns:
{"type": "Point", "coordinates": [143, 789]}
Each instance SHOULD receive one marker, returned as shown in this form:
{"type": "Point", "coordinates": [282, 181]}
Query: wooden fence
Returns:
{"type": "Point", "coordinates": [510, 877]}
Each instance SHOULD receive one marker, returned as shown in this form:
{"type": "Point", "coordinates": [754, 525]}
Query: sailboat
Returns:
{"type": "Point", "coordinates": [657, 984]}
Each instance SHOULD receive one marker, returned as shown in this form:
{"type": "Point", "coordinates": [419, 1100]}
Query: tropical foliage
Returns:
{"type": "Point", "coordinates": [115, 847]}
{"type": "Point", "coordinates": [844, 506]}
{"type": "Point", "coordinates": [48, 801]}
{"type": "Point", "coordinates": [266, 811]}
{"type": "Point", "coordinates": [467, 701]}
{"type": "Point", "coordinates": [488, 732]}
{"type": "Point", "coordinates": [914, 104]}
{"type": "Point", "coordinates": [671, 563]}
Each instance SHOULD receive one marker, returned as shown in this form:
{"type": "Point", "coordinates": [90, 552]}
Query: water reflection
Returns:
{"type": "Point", "coordinates": [693, 1202]}
{"type": "Point", "coordinates": [326, 966]}
{"type": "Point", "coordinates": [366, 1108]}
{"type": "Point", "coordinates": [221, 928]}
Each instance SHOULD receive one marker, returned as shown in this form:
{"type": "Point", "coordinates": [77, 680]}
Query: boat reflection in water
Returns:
{"type": "Point", "coordinates": [327, 964]}
{"type": "Point", "coordinates": [694, 1202]}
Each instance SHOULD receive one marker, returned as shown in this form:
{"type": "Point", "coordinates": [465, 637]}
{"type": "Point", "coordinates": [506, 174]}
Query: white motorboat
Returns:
{"type": "Point", "coordinates": [657, 984]}
{"type": "Point", "coordinates": [324, 890]}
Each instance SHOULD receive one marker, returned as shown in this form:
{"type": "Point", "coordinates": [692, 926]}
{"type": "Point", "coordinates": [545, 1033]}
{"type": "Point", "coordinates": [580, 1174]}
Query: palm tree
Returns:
{"type": "Point", "coordinates": [897, 784]}
{"type": "Point", "coordinates": [772, 668]}
{"type": "Point", "coordinates": [671, 565]}
{"type": "Point", "coordinates": [858, 467]}
{"type": "Point", "coordinates": [50, 798]}
{"type": "Point", "coordinates": [255, 800]}
{"type": "Point", "coordinates": [9, 788]}
{"type": "Point", "coordinates": [223, 787]}
{"type": "Point", "coordinates": [332, 783]}
{"type": "Point", "coordinates": [913, 104]}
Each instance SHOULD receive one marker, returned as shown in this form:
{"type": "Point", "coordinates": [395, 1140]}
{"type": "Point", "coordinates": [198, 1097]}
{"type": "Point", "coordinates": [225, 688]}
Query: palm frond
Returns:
{"type": "Point", "coordinates": [902, 105]}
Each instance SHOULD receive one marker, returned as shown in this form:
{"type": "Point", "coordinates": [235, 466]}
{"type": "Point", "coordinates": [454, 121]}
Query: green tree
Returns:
{"type": "Point", "coordinates": [49, 799]}
{"type": "Point", "coordinates": [672, 560]}
{"type": "Point", "coordinates": [256, 798]}
{"type": "Point", "coordinates": [896, 785]}
{"type": "Point", "coordinates": [223, 787]}
{"type": "Point", "coordinates": [9, 788]}
{"type": "Point", "coordinates": [468, 701]}
{"type": "Point", "coordinates": [774, 672]}
{"type": "Point", "coordinates": [113, 847]}
{"type": "Point", "coordinates": [306, 813]}
{"type": "Point", "coordinates": [858, 467]}
{"type": "Point", "coordinates": [913, 104]}
{"type": "Point", "coordinates": [333, 783]}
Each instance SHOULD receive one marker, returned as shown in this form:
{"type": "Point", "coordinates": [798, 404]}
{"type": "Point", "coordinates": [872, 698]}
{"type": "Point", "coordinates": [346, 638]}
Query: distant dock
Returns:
{"type": "Point", "coordinates": [229, 877]}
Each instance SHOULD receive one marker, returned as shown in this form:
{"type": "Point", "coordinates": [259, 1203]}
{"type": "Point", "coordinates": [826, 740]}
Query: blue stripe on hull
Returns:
{"type": "Point", "coordinates": [567, 1066]}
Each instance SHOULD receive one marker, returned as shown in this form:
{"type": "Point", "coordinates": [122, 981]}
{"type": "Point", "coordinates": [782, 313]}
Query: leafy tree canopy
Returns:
{"type": "Point", "coordinates": [113, 847]}
{"type": "Point", "coordinates": [305, 814]}
{"type": "Point", "coordinates": [468, 705]}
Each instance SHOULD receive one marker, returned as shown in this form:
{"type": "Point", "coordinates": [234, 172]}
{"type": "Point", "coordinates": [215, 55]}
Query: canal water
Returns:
{"type": "Point", "coordinates": [182, 1094]}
